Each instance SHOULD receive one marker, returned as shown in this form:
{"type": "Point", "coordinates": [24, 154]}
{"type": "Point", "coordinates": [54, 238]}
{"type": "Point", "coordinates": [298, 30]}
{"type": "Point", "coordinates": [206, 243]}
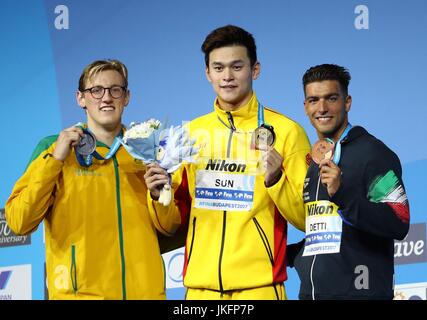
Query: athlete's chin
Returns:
{"type": "Point", "coordinates": [325, 130]}
{"type": "Point", "coordinates": [229, 98]}
{"type": "Point", "coordinates": [109, 124]}
{"type": "Point", "coordinates": [234, 100]}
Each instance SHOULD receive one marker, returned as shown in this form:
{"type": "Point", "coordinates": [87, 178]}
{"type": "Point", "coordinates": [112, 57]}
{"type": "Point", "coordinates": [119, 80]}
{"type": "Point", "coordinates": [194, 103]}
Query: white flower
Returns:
{"type": "Point", "coordinates": [141, 130]}
{"type": "Point", "coordinates": [149, 142]}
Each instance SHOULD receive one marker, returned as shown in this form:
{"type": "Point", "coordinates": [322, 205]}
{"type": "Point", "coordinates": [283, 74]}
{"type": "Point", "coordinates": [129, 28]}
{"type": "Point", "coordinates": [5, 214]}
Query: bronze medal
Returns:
{"type": "Point", "coordinates": [322, 149]}
{"type": "Point", "coordinates": [87, 144]}
{"type": "Point", "coordinates": [262, 137]}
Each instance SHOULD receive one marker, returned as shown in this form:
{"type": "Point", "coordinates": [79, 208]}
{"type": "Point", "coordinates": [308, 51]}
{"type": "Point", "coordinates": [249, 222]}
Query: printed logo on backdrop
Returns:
{"type": "Point", "coordinates": [412, 249]}
{"type": "Point", "coordinates": [411, 291]}
{"type": "Point", "coordinates": [15, 282]}
{"type": "Point", "coordinates": [7, 237]}
{"type": "Point", "coordinates": [174, 262]}
{"type": "Point", "coordinates": [4, 279]}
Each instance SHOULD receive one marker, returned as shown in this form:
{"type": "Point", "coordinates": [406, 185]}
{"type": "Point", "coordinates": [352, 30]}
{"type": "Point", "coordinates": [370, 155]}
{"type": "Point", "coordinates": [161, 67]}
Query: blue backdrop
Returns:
{"type": "Point", "coordinates": [46, 44]}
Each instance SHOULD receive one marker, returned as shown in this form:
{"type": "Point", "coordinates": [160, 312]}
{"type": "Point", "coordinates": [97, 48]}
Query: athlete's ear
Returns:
{"type": "Point", "coordinates": [208, 75]}
{"type": "Point", "coordinates": [256, 70]}
{"type": "Point", "coordinates": [127, 97]}
{"type": "Point", "coordinates": [348, 101]}
{"type": "Point", "coordinates": [81, 101]}
{"type": "Point", "coordinates": [305, 104]}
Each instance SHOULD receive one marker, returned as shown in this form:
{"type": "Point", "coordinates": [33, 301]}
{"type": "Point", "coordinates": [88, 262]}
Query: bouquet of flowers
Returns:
{"type": "Point", "coordinates": [151, 142]}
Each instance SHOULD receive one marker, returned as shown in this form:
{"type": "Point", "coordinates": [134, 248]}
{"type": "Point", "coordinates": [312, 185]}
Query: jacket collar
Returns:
{"type": "Point", "coordinates": [244, 113]}
{"type": "Point", "coordinates": [354, 133]}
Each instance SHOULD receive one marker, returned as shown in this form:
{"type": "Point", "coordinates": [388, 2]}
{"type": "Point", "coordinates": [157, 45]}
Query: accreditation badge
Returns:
{"type": "Point", "coordinates": [224, 184]}
{"type": "Point", "coordinates": [87, 144]}
{"type": "Point", "coordinates": [262, 137]}
{"type": "Point", "coordinates": [323, 228]}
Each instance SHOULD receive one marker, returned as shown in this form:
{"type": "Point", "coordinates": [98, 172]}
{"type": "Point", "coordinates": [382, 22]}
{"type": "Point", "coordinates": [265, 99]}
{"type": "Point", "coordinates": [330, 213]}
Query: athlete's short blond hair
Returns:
{"type": "Point", "coordinates": [102, 65]}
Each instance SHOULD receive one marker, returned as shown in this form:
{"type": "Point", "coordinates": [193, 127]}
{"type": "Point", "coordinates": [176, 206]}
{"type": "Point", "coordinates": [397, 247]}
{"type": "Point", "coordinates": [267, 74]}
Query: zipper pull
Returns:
{"type": "Point", "coordinates": [231, 121]}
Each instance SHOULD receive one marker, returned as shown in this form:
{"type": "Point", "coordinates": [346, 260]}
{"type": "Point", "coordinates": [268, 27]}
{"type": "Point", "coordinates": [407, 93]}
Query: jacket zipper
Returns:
{"type": "Point", "coordinates": [314, 258]}
{"type": "Point", "coordinates": [224, 220]}
{"type": "Point", "coordinates": [73, 270]}
{"type": "Point", "coordinates": [224, 216]}
{"type": "Point", "coordinates": [192, 240]}
{"type": "Point", "coordinates": [119, 217]}
{"type": "Point", "coordinates": [312, 278]}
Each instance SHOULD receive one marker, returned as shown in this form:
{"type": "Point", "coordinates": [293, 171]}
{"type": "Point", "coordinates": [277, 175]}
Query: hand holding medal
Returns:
{"type": "Point", "coordinates": [67, 139]}
{"type": "Point", "coordinates": [263, 137]}
{"type": "Point", "coordinates": [322, 153]}
{"type": "Point", "coordinates": [327, 155]}
{"type": "Point", "coordinates": [87, 144]}
{"type": "Point", "coordinates": [322, 149]}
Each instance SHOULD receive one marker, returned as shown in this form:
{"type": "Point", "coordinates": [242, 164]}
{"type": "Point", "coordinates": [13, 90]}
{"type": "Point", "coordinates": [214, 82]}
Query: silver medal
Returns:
{"type": "Point", "coordinates": [87, 144]}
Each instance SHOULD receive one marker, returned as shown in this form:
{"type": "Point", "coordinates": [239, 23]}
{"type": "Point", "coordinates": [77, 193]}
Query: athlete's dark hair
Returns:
{"type": "Point", "coordinates": [229, 35]}
{"type": "Point", "coordinates": [328, 72]}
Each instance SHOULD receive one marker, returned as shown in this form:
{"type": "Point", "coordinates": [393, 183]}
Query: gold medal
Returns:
{"type": "Point", "coordinates": [322, 149]}
{"type": "Point", "coordinates": [262, 137]}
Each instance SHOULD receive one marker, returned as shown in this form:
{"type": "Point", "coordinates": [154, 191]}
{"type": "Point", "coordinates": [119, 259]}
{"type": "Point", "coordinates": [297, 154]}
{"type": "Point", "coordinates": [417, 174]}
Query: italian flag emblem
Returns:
{"type": "Point", "coordinates": [388, 189]}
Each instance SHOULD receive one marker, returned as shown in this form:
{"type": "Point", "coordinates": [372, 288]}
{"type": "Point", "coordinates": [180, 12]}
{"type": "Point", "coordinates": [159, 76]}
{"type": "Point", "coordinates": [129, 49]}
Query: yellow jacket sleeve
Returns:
{"type": "Point", "coordinates": [287, 193]}
{"type": "Point", "coordinates": [167, 219]}
{"type": "Point", "coordinates": [32, 194]}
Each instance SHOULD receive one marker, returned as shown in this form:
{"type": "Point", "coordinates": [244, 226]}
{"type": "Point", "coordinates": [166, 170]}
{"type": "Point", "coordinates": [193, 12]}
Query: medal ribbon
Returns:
{"type": "Point", "coordinates": [87, 161]}
{"type": "Point", "coordinates": [260, 114]}
{"type": "Point", "coordinates": [337, 151]}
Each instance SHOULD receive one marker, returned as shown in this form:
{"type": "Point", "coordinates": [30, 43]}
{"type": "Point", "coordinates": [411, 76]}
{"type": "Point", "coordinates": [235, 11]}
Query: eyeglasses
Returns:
{"type": "Point", "coordinates": [98, 92]}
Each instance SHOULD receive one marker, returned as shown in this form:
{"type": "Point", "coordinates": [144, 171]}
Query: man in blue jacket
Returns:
{"type": "Point", "coordinates": [354, 197]}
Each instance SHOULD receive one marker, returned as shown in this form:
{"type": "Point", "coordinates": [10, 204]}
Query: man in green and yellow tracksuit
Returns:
{"type": "Point", "coordinates": [244, 187]}
{"type": "Point", "coordinates": [100, 240]}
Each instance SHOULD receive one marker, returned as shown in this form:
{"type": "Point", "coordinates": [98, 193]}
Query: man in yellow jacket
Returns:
{"type": "Point", "coordinates": [91, 194]}
{"type": "Point", "coordinates": [244, 188]}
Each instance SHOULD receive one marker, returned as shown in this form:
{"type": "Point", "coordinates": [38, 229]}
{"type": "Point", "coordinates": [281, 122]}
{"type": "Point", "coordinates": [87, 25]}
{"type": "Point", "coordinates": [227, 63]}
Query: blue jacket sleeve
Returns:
{"type": "Point", "coordinates": [383, 209]}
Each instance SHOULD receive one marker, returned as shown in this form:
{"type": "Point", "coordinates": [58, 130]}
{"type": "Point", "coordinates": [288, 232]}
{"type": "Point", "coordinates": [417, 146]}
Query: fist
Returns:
{"type": "Point", "coordinates": [67, 139]}
{"type": "Point", "coordinates": [330, 176]}
{"type": "Point", "coordinates": [272, 161]}
{"type": "Point", "coordinates": [155, 178]}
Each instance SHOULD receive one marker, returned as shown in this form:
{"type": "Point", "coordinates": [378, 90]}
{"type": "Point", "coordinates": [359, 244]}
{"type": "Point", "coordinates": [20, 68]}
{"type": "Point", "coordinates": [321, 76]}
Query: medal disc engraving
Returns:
{"type": "Point", "coordinates": [87, 144]}
{"type": "Point", "coordinates": [322, 149]}
{"type": "Point", "coordinates": [262, 137]}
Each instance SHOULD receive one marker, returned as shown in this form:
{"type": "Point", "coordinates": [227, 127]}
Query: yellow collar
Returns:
{"type": "Point", "coordinates": [246, 112]}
